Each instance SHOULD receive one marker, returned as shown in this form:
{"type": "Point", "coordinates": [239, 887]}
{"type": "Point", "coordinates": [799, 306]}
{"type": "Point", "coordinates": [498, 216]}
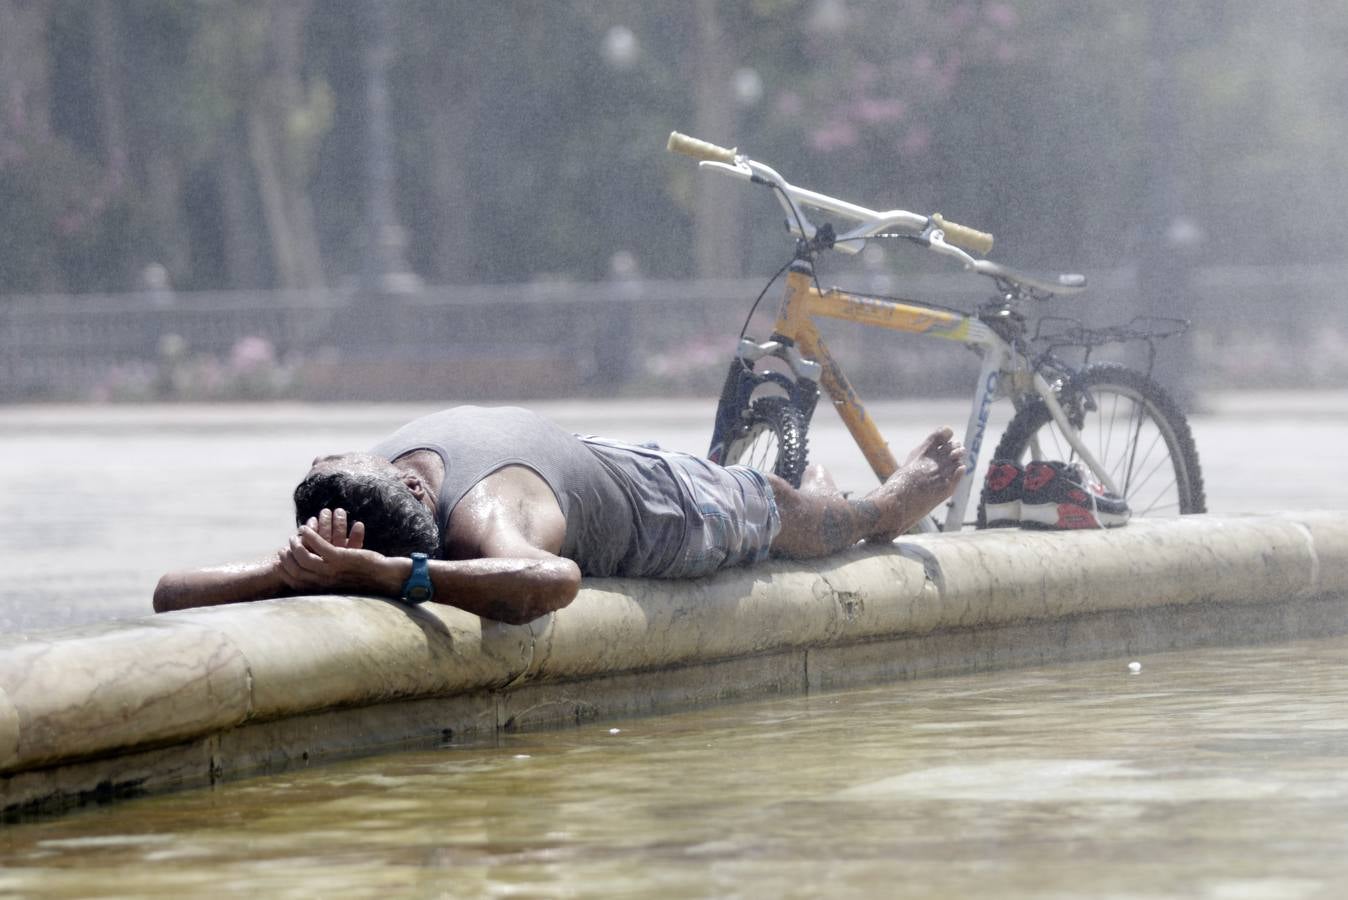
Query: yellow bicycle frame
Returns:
{"type": "Point", "coordinates": [795, 320]}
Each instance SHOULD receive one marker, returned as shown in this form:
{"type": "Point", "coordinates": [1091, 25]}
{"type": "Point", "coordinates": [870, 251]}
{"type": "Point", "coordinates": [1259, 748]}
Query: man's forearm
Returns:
{"type": "Point", "coordinates": [514, 590]}
{"type": "Point", "coordinates": [221, 584]}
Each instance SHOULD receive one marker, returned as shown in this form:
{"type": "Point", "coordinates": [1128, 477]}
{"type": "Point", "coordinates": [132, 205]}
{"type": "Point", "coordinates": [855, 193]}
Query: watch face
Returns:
{"type": "Point", "coordinates": [418, 594]}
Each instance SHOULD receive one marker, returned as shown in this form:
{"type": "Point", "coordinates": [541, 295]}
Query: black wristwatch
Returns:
{"type": "Point", "coordinates": [418, 588]}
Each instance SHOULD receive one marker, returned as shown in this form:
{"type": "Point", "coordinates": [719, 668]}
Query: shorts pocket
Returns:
{"type": "Point", "coordinates": [705, 546]}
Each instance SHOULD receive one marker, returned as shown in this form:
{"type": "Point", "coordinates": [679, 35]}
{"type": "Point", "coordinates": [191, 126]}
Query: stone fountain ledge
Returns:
{"type": "Point", "coordinates": [193, 697]}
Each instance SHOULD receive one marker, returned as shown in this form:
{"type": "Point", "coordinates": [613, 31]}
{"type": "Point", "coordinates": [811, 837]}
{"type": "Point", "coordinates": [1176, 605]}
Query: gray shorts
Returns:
{"type": "Point", "coordinates": [732, 519]}
{"type": "Point", "coordinates": [728, 514]}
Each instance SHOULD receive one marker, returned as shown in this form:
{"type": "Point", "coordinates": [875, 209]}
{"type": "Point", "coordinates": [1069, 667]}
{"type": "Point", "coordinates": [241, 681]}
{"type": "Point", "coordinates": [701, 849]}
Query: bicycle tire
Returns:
{"type": "Point", "coordinates": [772, 439]}
{"type": "Point", "coordinates": [1134, 428]}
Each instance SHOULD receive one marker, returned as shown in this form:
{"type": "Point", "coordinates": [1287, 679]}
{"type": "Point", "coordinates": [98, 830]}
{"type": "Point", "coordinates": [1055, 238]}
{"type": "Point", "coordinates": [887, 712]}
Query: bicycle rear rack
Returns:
{"type": "Point", "coordinates": [1057, 332]}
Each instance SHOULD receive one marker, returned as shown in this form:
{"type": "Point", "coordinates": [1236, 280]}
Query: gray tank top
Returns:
{"type": "Point", "coordinates": [622, 505]}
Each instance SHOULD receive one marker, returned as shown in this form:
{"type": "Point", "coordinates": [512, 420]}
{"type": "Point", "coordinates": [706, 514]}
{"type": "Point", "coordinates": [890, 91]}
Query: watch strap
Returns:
{"type": "Point", "coordinates": [418, 587]}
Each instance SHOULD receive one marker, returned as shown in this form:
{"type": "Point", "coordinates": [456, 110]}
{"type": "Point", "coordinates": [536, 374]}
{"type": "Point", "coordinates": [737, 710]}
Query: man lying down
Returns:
{"type": "Point", "coordinates": [500, 512]}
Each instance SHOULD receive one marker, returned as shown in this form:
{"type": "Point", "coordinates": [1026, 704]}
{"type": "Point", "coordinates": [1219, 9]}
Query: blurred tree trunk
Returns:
{"type": "Point", "coordinates": [108, 82]}
{"type": "Point", "coordinates": [1164, 272]}
{"type": "Point", "coordinates": [241, 250]}
{"type": "Point", "coordinates": [164, 192]}
{"type": "Point", "coordinates": [140, 132]}
{"type": "Point", "coordinates": [280, 156]}
{"type": "Point", "coordinates": [719, 204]}
{"type": "Point", "coordinates": [272, 191]}
{"type": "Point", "coordinates": [162, 155]}
{"type": "Point", "coordinates": [450, 96]}
{"type": "Point", "coordinates": [25, 108]}
{"type": "Point", "coordinates": [25, 91]}
{"type": "Point", "coordinates": [386, 266]}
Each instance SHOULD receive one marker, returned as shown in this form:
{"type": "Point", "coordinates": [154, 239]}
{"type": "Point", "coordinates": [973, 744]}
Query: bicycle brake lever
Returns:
{"type": "Point", "coordinates": [934, 238]}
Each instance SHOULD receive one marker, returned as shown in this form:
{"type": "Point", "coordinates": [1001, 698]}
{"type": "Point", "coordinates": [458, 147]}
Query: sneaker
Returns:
{"type": "Point", "coordinates": [1001, 494]}
{"type": "Point", "coordinates": [1058, 495]}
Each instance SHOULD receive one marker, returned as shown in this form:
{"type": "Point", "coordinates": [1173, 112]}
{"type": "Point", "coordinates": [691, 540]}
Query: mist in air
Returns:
{"type": "Point", "coordinates": [456, 200]}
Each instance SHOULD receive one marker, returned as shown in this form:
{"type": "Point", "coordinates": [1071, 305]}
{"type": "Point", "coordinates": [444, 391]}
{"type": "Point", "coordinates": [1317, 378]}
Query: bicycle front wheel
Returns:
{"type": "Point", "coordinates": [1132, 426]}
{"type": "Point", "coordinates": [772, 439]}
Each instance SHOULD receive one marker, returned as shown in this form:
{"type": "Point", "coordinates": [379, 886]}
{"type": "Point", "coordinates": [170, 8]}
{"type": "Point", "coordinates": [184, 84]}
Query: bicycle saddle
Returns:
{"type": "Point", "coordinates": [1051, 284]}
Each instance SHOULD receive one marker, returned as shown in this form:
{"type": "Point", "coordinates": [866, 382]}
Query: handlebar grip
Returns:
{"type": "Point", "coordinates": [970, 239]}
{"type": "Point", "coordinates": [691, 146]}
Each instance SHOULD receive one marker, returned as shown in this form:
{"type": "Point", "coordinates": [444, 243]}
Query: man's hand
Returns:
{"type": "Point", "coordinates": [327, 554]}
{"type": "Point", "coordinates": [331, 526]}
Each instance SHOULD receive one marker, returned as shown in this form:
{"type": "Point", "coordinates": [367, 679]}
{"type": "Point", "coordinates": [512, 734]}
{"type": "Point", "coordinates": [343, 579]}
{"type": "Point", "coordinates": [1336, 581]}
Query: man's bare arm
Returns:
{"type": "Point", "coordinates": [517, 586]}
{"type": "Point", "coordinates": [510, 589]}
{"type": "Point", "coordinates": [514, 590]}
{"type": "Point", "coordinates": [238, 583]}
{"type": "Point", "coordinates": [506, 577]}
{"type": "Point", "coordinates": [263, 580]}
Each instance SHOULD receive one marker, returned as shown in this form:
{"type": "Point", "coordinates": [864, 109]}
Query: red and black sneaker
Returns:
{"type": "Point", "coordinates": [1058, 495]}
{"type": "Point", "coordinates": [1001, 494]}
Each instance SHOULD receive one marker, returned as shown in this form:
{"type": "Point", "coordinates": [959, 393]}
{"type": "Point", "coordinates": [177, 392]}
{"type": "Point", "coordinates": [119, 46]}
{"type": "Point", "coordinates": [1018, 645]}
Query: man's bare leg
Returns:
{"type": "Point", "coordinates": [817, 521]}
{"type": "Point", "coordinates": [817, 480]}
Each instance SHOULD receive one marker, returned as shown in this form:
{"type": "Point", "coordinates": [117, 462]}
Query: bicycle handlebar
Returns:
{"type": "Point", "coordinates": [872, 222]}
{"type": "Point", "coordinates": [699, 149]}
{"type": "Point", "coordinates": [970, 239]}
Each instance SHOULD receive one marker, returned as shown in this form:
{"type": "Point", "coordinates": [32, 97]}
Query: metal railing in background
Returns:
{"type": "Point", "coordinates": [569, 339]}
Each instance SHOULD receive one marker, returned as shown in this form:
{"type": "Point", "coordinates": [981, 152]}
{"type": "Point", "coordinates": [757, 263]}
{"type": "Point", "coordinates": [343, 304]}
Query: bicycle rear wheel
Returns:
{"type": "Point", "coordinates": [772, 439]}
{"type": "Point", "coordinates": [1133, 427]}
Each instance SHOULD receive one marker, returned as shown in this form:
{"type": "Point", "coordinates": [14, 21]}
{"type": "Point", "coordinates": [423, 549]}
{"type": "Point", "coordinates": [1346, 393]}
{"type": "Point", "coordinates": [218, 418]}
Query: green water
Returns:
{"type": "Point", "coordinates": [1216, 773]}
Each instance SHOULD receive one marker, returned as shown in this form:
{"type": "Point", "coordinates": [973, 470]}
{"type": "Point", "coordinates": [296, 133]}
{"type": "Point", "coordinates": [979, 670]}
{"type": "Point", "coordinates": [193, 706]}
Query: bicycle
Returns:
{"type": "Point", "coordinates": [1115, 420]}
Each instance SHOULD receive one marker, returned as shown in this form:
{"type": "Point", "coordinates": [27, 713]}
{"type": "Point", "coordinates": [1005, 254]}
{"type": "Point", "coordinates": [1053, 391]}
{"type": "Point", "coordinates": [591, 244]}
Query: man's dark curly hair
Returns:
{"type": "Point", "coordinates": [396, 522]}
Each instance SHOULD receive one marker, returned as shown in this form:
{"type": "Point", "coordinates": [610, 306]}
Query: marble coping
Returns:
{"type": "Point", "coordinates": [136, 685]}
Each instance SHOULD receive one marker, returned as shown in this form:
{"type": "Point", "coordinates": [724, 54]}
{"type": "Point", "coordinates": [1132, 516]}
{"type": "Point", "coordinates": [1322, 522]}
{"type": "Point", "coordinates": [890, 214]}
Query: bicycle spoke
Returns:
{"type": "Point", "coordinates": [1108, 443]}
{"type": "Point", "coordinates": [1159, 467]}
{"type": "Point", "coordinates": [1135, 440]}
{"type": "Point", "coordinates": [760, 449]}
{"type": "Point", "coordinates": [1155, 467]}
{"type": "Point", "coordinates": [1130, 459]}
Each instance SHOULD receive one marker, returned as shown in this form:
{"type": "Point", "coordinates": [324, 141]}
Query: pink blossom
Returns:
{"type": "Point", "coordinates": [789, 103]}
{"type": "Point", "coordinates": [70, 223]}
{"type": "Point", "coordinates": [873, 110]}
{"type": "Point", "coordinates": [11, 152]}
{"type": "Point", "coordinates": [916, 141]}
{"type": "Point", "coordinates": [1003, 15]}
{"type": "Point", "coordinates": [834, 136]}
{"type": "Point", "coordinates": [251, 354]}
{"type": "Point", "coordinates": [18, 118]}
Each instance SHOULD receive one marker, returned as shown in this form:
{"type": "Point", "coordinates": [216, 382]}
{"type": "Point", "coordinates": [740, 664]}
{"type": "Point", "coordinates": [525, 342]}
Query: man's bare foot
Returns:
{"type": "Point", "coordinates": [927, 477]}
{"type": "Point", "coordinates": [817, 520]}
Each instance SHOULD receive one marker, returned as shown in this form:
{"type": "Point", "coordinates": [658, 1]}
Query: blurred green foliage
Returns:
{"type": "Point", "coordinates": [230, 142]}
